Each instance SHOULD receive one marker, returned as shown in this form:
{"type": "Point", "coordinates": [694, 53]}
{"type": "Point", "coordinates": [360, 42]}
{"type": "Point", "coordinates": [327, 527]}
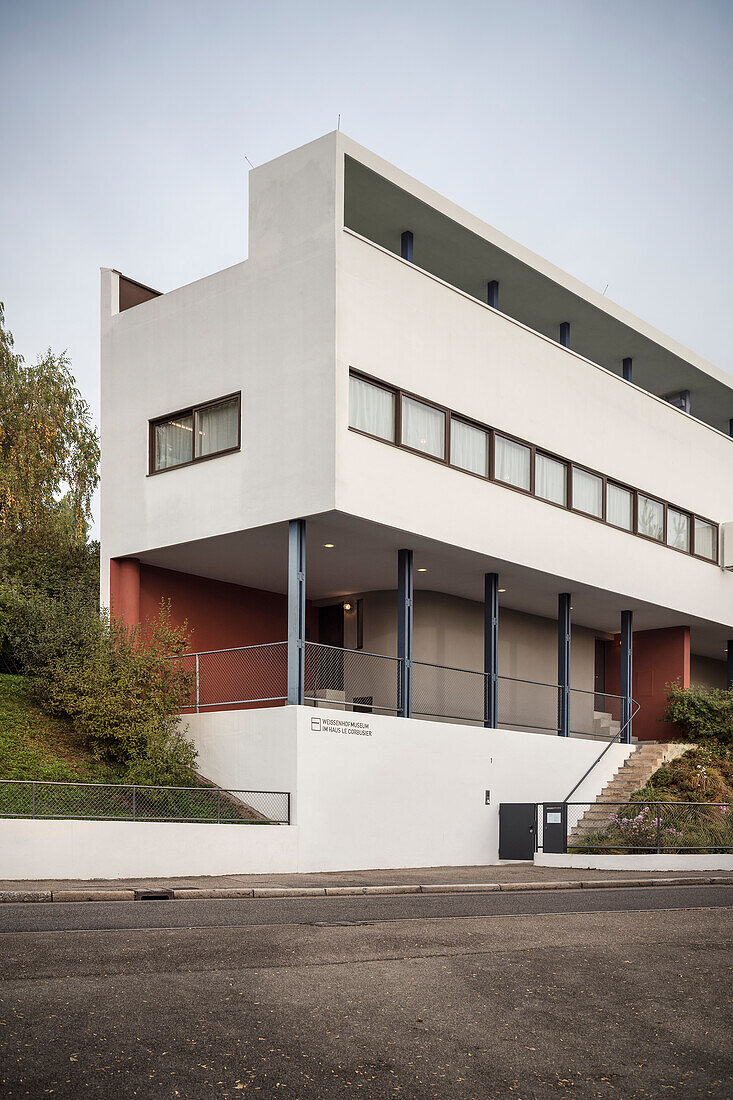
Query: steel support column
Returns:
{"type": "Point", "coordinates": [627, 669]}
{"type": "Point", "coordinates": [491, 650]}
{"type": "Point", "coordinates": [563, 664]}
{"type": "Point", "coordinates": [565, 334]}
{"type": "Point", "coordinates": [406, 242]}
{"type": "Point", "coordinates": [404, 628]}
{"type": "Point", "coordinates": [296, 611]}
{"type": "Point", "coordinates": [729, 678]}
{"type": "Point", "coordinates": [628, 369]}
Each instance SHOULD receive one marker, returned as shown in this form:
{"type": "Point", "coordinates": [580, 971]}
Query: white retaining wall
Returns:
{"type": "Point", "coordinates": [651, 862]}
{"type": "Point", "coordinates": [368, 791]}
{"type": "Point", "coordinates": [36, 849]}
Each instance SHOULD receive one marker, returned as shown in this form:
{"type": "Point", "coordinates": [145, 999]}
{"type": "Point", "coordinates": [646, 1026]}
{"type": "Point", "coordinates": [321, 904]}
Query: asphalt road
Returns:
{"type": "Point", "coordinates": [604, 993]}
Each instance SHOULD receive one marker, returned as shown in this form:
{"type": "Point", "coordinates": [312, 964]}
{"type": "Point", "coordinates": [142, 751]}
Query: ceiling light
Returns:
{"type": "Point", "coordinates": [347, 607]}
{"type": "Point", "coordinates": [328, 546]}
{"type": "Point", "coordinates": [502, 589]}
{"type": "Point", "coordinates": [422, 569]}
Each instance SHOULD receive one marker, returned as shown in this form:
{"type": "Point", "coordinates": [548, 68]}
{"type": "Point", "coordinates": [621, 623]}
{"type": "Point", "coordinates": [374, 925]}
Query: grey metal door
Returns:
{"type": "Point", "coordinates": [517, 830]}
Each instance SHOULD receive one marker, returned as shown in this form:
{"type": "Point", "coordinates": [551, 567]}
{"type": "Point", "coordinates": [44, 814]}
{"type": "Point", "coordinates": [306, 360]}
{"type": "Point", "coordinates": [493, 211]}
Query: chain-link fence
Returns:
{"type": "Point", "coordinates": [253, 674]}
{"type": "Point", "coordinates": [121, 802]}
{"type": "Point", "coordinates": [601, 826]}
{"type": "Point", "coordinates": [354, 679]}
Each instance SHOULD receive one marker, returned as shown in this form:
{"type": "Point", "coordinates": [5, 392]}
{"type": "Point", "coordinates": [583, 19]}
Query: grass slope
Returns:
{"type": "Point", "coordinates": [34, 746]}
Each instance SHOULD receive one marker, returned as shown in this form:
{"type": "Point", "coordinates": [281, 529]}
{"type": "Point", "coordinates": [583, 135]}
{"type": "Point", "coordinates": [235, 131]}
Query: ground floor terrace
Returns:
{"type": "Point", "coordinates": [333, 611]}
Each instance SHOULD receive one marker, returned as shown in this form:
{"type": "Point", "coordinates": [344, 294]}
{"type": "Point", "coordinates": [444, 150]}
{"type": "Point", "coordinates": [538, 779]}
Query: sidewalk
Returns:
{"type": "Point", "coordinates": [410, 879]}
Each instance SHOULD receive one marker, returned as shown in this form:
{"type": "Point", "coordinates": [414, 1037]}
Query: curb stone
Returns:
{"type": "Point", "coordinates": [192, 893]}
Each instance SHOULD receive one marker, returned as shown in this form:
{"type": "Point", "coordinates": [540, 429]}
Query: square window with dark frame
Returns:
{"type": "Point", "coordinates": [194, 434]}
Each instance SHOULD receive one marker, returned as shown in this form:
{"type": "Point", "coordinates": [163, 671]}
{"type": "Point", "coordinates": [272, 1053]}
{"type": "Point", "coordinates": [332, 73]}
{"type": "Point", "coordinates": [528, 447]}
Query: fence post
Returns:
{"type": "Point", "coordinates": [134, 803]}
{"type": "Point", "coordinates": [197, 684]}
{"type": "Point", "coordinates": [33, 800]}
{"type": "Point", "coordinates": [659, 830]}
{"type": "Point", "coordinates": [218, 806]}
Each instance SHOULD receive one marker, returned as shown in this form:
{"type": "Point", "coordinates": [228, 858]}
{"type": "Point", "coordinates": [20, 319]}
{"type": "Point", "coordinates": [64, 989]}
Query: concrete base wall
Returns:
{"type": "Point", "coordinates": [652, 862]}
{"type": "Point", "coordinates": [33, 849]}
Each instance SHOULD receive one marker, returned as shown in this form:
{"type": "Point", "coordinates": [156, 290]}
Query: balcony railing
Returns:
{"type": "Point", "coordinates": [356, 680]}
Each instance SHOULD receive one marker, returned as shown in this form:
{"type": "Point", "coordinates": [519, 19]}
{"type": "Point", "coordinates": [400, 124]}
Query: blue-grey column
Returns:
{"type": "Point", "coordinates": [404, 627]}
{"type": "Point", "coordinates": [296, 611]}
{"type": "Point", "coordinates": [563, 664]}
{"type": "Point", "coordinates": [730, 426]}
{"type": "Point", "coordinates": [628, 369]}
{"type": "Point", "coordinates": [491, 650]}
{"type": "Point", "coordinates": [729, 679]}
{"type": "Point", "coordinates": [627, 670]}
{"type": "Point", "coordinates": [406, 245]}
{"type": "Point", "coordinates": [492, 294]}
{"type": "Point", "coordinates": [565, 334]}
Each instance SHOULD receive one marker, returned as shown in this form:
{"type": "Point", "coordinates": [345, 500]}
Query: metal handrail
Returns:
{"type": "Point", "coordinates": [613, 740]}
{"type": "Point", "coordinates": [231, 649]}
{"type": "Point", "coordinates": [361, 652]}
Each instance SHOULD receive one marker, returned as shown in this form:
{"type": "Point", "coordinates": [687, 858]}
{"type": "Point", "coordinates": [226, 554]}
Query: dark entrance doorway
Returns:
{"type": "Point", "coordinates": [517, 830]}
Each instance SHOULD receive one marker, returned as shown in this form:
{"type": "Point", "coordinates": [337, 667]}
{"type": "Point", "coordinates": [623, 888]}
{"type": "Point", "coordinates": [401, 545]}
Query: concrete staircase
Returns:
{"type": "Point", "coordinates": [634, 774]}
{"type": "Point", "coordinates": [604, 724]}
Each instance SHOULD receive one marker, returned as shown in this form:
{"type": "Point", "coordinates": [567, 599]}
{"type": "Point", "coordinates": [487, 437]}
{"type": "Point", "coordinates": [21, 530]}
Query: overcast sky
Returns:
{"type": "Point", "coordinates": [597, 134]}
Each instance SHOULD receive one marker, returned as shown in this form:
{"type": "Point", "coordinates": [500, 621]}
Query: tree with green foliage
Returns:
{"type": "Point", "coordinates": [49, 450]}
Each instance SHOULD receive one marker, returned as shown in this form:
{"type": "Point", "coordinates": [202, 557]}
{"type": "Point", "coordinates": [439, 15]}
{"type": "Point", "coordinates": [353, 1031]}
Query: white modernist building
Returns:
{"type": "Point", "coordinates": [411, 479]}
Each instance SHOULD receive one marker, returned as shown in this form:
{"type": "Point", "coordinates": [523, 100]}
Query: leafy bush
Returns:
{"type": "Point", "coordinates": [119, 685]}
{"type": "Point", "coordinates": [702, 715]}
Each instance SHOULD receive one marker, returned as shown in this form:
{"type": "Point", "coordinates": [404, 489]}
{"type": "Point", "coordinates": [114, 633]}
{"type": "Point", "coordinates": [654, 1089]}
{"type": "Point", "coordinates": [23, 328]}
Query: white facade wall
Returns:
{"type": "Point", "coordinates": [393, 792]}
{"type": "Point", "coordinates": [410, 329]}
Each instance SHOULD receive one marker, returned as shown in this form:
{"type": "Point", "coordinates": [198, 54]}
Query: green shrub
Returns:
{"type": "Point", "coordinates": [702, 715]}
{"type": "Point", "coordinates": [119, 685]}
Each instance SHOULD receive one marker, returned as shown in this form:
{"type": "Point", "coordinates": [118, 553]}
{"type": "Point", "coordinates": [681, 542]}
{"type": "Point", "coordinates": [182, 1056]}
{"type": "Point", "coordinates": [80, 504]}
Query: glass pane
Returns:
{"type": "Point", "coordinates": [371, 409]}
{"type": "Point", "coordinates": [587, 492]}
{"type": "Point", "coordinates": [174, 442]}
{"type": "Point", "coordinates": [619, 506]}
{"type": "Point", "coordinates": [678, 530]}
{"type": "Point", "coordinates": [705, 540]}
{"type": "Point", "coordinates": [550, 481]}
{"type": "Point", "coordinates": [511, 462]}
{"type": "Point", "coordinates": [217, 427]}
{"type": "Point", "coordinates": [423, 427]}
{"type": "Point", "coordinates": [469, 448]}
{"type": "Point", "coordinates": [651, 518]}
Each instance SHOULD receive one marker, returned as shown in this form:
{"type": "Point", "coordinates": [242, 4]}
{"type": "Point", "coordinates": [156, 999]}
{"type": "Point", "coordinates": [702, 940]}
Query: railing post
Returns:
{"type": "Point", "coordinates": [218, 806]}
{"type": "Point", "coordinates": [198, 697]}
{"type": "Point", "coordinates": [563, 664]}
{"type": "Point", "coordinates": [491, 650]}
{"type": "Point", "coordinates": [33, 800]}
{"type": "Point", "coordinates": [729, 677]}
{"type": "Point", "coordinates": [627, 650]}
{"type": "Point", "coordinates": [288, 807]}
{"type": "Point", "coordinates": [134, 803]}
{"type": "Point", "coordinates": [659, 830]}
{"type": "Point", "coordinates": [296, 612]}
{"type": "Point", "coordinates": [404, 627]}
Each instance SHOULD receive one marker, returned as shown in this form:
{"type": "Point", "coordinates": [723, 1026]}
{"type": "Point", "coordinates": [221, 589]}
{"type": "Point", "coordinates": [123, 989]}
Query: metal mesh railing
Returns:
{"type": "Point", "coordinates": [527, 704]}
{"type": "Point", "coordinates": [595, 714]}
{"type": "Point", "coordinates": [252, 674]}
{"type": "Point", "coordinates": [123, 802]}
{"type": "Point", "coordinates": [601, 826]}
{"type": "Point", "coordinates": [361, 681]}
{"type": "Point", "coordinates": [453, 694]}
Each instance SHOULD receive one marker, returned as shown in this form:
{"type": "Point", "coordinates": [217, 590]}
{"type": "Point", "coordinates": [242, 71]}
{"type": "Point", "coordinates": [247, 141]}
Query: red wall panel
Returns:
{"type": "Point", "coordinates": [661, 657]}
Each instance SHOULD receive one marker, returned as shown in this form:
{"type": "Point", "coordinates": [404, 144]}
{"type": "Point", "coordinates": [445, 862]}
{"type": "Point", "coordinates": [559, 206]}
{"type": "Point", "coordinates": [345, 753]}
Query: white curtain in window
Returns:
{"type": "Point", "coordinates": [619, 506]}
{"type": "Point", "coordinates": [549, 479]}
{"type": "Point", "coordinates": [587, 492]}
{"type": "Point", "coordinates": [469, 448]}
{"type": "Point", "coordinates": [173, 442]}
{"type": "Point", "coordinates": [651, 518]}
{"type": "Point", "coordinates": [705, 539]}
{"type": "Point", "coordinates": [678, 530]}
{"type": "Point", "coordinates": [217, 427]}
{"type": "Point", "coordinates": [371, 409]}
{"type": "Point", "coordinates": [423, 427]}
{"type": "Point", "coordinates": [511, 461]}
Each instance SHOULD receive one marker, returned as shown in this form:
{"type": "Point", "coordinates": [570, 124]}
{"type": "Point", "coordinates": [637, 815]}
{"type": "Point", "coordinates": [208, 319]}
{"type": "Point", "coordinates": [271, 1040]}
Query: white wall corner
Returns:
{"type": "Point", "coordinates": [110, 292]}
